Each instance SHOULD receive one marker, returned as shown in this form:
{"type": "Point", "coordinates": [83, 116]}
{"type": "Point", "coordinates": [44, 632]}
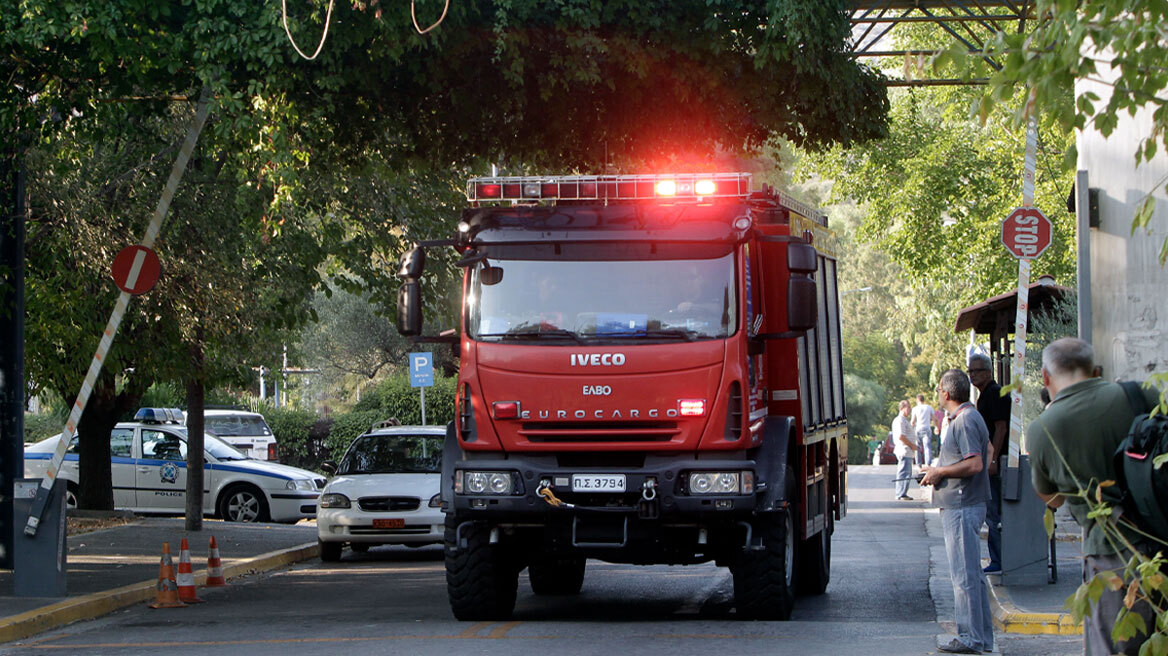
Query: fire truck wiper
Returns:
{"type": "Point", "coordinates": [678, 333]}
{"type": "Point", "coordinates": [538, 334]}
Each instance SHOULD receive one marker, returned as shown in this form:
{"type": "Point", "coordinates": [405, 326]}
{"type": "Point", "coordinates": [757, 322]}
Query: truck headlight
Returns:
{"type": "Point", "coordinates": [739, 482]}
{"type": "Point", "coordinates": [484, 482]}
{"type": "Point", "coordinates": [333, 500]}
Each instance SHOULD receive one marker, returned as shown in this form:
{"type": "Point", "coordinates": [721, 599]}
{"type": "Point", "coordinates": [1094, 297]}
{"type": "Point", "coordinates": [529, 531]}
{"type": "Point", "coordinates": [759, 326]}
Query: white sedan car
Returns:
{"type": "Point", "coordinates": [386, 491]}
{"type": "Point", "coordinates": [148, 463]}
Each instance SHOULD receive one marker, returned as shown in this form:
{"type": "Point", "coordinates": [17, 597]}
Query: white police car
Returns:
{"type": "Point", "coordinates": [385, 491]}
{"type": "Point", "coordinates": [148, 463]}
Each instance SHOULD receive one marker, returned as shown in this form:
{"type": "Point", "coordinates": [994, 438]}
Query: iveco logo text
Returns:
{"type": "Point", "coordinates": [598, 359]}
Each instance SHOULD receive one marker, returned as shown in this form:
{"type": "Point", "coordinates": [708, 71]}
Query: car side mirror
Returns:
{"type": "Point", "coordinates": [329, 467]}
{"type": "Point", "coordinates": [409, 308]}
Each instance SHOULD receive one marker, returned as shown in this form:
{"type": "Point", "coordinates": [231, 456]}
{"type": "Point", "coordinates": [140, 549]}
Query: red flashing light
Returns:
{"type": "Point", "coordinates": [490, 191]}
{"type": "Point", "coordinates": [691, 407]}
{"type": "Point", "coordinates": [666, 188]}
{"type": "Point", "coordinates": [705, 187]}
{"type": "Point", "coordinates": [505, 409]}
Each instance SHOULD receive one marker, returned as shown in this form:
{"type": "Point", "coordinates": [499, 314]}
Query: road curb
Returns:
{"type": "Point", "coordinates": [97, 604]}
{"type": "Point", "coordinates": [1011, 619]}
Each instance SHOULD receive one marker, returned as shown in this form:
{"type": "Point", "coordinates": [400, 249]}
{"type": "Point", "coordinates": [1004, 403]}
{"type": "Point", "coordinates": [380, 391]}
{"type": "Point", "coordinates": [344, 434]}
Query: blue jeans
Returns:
{"type": "Point", "coordinates": [924, 448]}
{"type": "Point", "coordinates": [994, 520]}
{"type": "Point", "coordinates": [971, 600]}
{"type": "Point", "coordinates": [903, 475]}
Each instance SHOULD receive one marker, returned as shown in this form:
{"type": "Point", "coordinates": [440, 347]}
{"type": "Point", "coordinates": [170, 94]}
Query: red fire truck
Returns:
{"type": "Point", "coordinates": [650, 372]}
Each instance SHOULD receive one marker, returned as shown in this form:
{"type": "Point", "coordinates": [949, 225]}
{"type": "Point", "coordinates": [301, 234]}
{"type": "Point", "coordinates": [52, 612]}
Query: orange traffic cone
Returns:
{"type": "Point", "coordinates": [214, 567]}
{"type": "Point", "coordinates": [186, 577]}
{"type": "Point", "coordinates": [167, 596]}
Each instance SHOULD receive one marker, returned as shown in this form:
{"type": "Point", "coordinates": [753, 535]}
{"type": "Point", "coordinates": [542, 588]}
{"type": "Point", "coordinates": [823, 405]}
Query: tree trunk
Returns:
{"type": "Point", "coordinates": [195, 402]}
{"type": "Point", "coordinates": [105, 407]}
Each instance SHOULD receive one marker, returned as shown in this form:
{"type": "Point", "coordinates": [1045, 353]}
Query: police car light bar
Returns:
{"type": "Point", "coordinates": [159, 415]}
{"type": "Point", "coordinates": [691, 186]}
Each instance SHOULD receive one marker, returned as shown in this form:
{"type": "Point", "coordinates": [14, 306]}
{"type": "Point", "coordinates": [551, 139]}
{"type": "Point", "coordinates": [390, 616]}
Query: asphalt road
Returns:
{"type": "Point", "coordinates": [392, 600]}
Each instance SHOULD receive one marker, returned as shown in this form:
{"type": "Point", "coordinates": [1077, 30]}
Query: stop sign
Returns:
{"type": "Point", "coordinates": [136, 269]}
{"type": "Point", "coordinates": [1026, 232]}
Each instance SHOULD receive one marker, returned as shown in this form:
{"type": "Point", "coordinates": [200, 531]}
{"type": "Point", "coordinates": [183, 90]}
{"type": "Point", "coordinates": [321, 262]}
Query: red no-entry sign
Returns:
{"type": "Point", "coordinates": [136, 269]}
{"type": "Point", "coordinates": [1026, 232]}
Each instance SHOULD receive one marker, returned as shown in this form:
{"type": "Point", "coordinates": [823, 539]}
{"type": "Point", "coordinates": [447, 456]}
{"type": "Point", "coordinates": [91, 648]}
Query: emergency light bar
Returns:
{"type": "Point", "coordinates": [688, 186]}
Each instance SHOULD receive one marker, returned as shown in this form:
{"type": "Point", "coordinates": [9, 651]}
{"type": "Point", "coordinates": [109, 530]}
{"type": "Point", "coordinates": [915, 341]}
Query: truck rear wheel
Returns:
{"type": "Point", "coordinates": [556, 576]}
{"type": "Point", "coordinates": [481, 579]}
{"type": "Point", "coordinates": [815, 561]}
{"type": "Point", "coordinates": [764, 580]}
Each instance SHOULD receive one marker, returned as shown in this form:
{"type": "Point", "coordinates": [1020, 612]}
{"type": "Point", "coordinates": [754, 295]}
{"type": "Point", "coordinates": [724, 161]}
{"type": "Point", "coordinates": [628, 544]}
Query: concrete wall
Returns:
{"type": "Point", "coordinates": [1129, 288]}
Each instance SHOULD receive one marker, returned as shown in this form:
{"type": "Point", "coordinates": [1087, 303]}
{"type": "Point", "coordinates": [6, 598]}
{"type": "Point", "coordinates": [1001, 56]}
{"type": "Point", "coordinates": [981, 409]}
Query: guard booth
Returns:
{"type": "Point", "coordinates": [1025, 546]}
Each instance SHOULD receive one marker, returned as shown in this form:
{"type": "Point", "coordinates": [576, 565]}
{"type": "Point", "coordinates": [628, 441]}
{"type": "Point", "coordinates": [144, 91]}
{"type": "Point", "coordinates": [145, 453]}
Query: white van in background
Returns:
{"type": "Point", "coordinates": [244, 430]}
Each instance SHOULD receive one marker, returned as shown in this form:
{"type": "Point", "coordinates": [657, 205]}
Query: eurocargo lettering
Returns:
{"type": "Point", "coordinates": [623, 343]}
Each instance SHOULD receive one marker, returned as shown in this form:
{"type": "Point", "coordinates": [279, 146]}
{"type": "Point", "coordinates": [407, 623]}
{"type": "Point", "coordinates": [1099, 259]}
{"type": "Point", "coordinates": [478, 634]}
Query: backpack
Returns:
{"type": "Point", "coordinates": [1142, 484]}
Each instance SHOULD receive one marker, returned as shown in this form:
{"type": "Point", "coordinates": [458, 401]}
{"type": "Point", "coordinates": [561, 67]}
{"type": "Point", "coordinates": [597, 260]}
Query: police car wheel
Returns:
{"type": "Point", "coordinates": [243, 503]}
{"type": "Point", "coordinates": [71, 497]}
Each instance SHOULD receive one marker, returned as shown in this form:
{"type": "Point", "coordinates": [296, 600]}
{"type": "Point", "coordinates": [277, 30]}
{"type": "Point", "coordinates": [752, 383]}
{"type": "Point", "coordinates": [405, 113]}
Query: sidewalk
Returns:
{"type": "Point", "coordinates": [117, 567]}
{"type": "Point", "coordinates": [1025, 609]}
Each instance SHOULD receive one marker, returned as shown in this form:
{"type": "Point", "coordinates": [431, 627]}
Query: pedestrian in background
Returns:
{"type": "Point", "coordinates": [961, 491]}
{"type": "Point", "coordinates": [922, 419]}
{"type": "Point", "coordinates": [1072, 442]}
{"type": "Point", "coordinates": [995, 412]}
{"type": "Point", "coordinates": [905, 448]}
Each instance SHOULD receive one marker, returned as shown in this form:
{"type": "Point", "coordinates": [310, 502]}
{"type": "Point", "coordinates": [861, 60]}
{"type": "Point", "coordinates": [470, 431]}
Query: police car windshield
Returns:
{"type": "Point", "coordinates": [393, 454]}
{"type": "Point", "coordinates": [217, 447]}
{"type": "Point", "coordinates": [554, 301]}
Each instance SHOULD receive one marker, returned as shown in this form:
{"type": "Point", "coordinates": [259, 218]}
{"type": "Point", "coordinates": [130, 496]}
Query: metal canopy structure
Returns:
{"type": "Point", "coordinates": [970, 22]}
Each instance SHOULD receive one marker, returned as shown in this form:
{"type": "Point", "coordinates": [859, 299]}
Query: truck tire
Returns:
{"type": "Point", "coordinates": [481, 580]}
{"type": "Point", "coordinates": [764, 580]}
{"type": "Point", "coordinates": [815, 562]}
{"type": "Point", "coordinates": [556, 576]}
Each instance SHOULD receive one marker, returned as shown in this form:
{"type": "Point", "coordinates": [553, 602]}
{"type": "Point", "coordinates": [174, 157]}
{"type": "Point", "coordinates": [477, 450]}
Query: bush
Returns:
{"type": "Point", "coordinates": [292, 428]}
{"type": "Point", "coordinates": [39, 427]}
{"type": "Point", "coordinates": [393, 397]}
{"type": "Point", "coordinates": [346, 427]}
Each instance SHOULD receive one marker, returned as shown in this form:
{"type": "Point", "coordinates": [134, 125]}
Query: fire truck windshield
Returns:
{"type": "Point", "coordinates": [556, 300]}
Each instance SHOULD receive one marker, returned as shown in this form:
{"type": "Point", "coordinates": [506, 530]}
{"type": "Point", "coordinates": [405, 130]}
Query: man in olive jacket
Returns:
{"type": "Point", "coordinates": [1071, 447]}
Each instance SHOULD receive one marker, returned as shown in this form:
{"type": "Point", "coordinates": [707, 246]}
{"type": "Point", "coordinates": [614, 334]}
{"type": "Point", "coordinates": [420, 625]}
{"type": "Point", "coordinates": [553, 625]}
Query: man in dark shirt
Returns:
{"type": "Point", "coordinates": [995, 412]}
{"type": "Point", "coordinates": [961, 492]}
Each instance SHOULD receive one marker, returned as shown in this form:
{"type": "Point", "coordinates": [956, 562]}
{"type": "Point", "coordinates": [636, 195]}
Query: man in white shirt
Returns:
{"type": "Point", "coordinates": [905, 447]}
{"type": "Point", "coordinates": [922, 419]}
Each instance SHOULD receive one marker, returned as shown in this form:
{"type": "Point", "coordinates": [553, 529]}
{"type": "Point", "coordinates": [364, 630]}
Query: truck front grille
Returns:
{"type": "Point", "coordinates": [600, 431]}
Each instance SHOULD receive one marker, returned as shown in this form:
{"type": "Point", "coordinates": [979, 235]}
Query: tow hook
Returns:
{"type": "Point", "coordinates": [545, 492]}
{"type": "Point", "coordinates": [648, 507]}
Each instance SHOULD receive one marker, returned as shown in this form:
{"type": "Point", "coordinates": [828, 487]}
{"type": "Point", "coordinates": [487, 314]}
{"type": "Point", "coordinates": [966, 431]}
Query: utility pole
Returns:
{"type": "Point", "coordinates": [12, 385]}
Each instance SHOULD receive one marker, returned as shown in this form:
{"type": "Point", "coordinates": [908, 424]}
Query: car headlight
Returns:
{"type": "Point", "coordinates": [739, 482]}
{"type": "Point", "coordinates": [436, 501]}
{"type": "Point", "coordinates": [301, 484]}
{"type": "Point", "coordinates": [485, 482]}
{"type": "Point", "coordinates": [333, 500]}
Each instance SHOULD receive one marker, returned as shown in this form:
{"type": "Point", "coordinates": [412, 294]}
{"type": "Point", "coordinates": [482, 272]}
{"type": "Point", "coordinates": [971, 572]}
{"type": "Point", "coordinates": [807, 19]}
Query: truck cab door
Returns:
{"type": "Point", "coordinates": [756, 378]}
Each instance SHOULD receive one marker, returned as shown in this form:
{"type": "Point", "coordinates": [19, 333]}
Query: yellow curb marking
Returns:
{"type": "Point", "coordinates": [1011, 619]}
{"type": "Point", "coordinates": [473, 630]}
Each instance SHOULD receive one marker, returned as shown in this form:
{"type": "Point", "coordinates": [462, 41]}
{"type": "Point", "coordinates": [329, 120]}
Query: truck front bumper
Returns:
{"type": "Point", "coordinates": [667, 491]}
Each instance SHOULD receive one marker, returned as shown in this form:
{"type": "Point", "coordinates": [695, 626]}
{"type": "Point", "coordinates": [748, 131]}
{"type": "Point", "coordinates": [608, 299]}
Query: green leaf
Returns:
{"type": "Point", "coordinates": [1144, 213]}
{"type": "Point", "coordinates": [1159, 460]}
{"type": "Point", "coordinates": [1048, 522]}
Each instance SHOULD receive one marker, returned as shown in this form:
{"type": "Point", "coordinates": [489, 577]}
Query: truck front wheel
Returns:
{"type": "Point", "coordinates": [481, 579]}
{"type": "Point", "coordinates": [764, 579]}
{"type": "Point", "coordinates": [556, 576]}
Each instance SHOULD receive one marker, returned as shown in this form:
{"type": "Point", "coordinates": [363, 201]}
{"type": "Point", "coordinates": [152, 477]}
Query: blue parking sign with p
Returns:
{"type": "Point", "coordinates": [421, 369]}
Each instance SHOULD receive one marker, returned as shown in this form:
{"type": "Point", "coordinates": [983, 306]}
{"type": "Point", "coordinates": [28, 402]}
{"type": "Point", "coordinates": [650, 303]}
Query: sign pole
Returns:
{"type": "Point", "coordinates": [422, 392]}
{"type": "Point", "coordinates": [1010, 482]}
{"type": "Point", "coordinates": [115, 320]}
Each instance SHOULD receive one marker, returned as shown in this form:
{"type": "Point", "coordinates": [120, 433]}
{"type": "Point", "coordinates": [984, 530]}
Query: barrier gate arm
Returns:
{"type": "Point", "coordinates": [115, 320]}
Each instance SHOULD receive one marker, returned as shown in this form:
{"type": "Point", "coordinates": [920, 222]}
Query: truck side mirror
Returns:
{"type": "Point", "coordinates": [802, 258]}
{"type": "Point", "coordinates": [409, 308]}
{"type": "Point", "coordinates": [802, 303]}
{"type": "Point", "coordinates": [413, 262]}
